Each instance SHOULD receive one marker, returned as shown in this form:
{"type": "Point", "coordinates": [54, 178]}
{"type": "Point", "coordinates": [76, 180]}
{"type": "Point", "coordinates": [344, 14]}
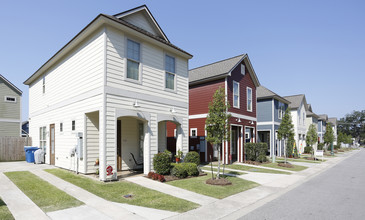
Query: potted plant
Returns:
{"type": "Point", "coordinates": [97, 162]}
{"type": "Point", "coordinates": [178, 156]}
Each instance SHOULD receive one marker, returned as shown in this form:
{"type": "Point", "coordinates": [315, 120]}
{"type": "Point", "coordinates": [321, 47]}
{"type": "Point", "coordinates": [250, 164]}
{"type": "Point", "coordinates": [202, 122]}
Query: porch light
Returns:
{"type": "Point", "coordinates": [172, 110]}
{"type": "Point", "coordinates": [251, 122]}
{"type": "Point", "coordinates": [238, 120]}
{"type": "Point", "coordinates": [135, 104]}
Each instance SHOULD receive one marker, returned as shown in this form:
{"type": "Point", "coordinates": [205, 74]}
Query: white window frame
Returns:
{"type": "Point", "coordinates": [281, 110]}
{"type": "Point", "coordinates": [168, 72]}
{"type": "Point", "coordinates": [238, 92]}
{"type": "Point", "coordinates": [11, 97]}
{"type": "Point", "coordinates": [139, 80]}
{"type": "Point", "coordinates": [42, 137]}
{"type": "Point", "coordinates": [250, 110]}
{"type": "Point", "coordinates": [243, 69]}
{"type": "Point", "coordinates": [191, 132]}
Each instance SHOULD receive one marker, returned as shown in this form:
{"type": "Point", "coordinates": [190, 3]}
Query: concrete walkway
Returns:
{"type": "Point", "coordinates": [172, 190]}
{"type": "Point", "coordinates": [18, 203]}
{"type": "Point", "coordinates": [268, 168]}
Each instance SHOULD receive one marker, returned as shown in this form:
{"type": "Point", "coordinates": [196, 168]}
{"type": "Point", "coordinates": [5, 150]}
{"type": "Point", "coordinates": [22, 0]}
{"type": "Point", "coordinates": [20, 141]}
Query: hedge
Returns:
{"type": "Point", "coordinates": [256, 151]}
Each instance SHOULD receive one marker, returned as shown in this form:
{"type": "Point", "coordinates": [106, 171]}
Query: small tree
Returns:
{"type": "Point", "coordinates": [286, 131]}
{"type": "Point", "coordinates": [312, 136]}
{"type": "Point", "coordinates": [329, 136]}
{"type": "Point", "coordinates": [217, 122]}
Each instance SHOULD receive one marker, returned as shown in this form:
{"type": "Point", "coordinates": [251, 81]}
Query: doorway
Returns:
{"type": "Point", "coordinates": [52, 143]}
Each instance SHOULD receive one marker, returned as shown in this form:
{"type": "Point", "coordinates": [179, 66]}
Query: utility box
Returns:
{"type": "Point", "coordinates": [80, 145]}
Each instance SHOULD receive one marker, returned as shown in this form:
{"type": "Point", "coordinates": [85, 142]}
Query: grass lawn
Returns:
{"type": "Point", "coordinates": [207, 170]}
{"type": "Point", "coordinates": [254, 169]}
{"type": "Point", "coordinates": [4, 211]}
{"type": "Point", "coordinates": [198, 185]}
{"type": "Point", "coordinates": [275, 165]}
{"type": "Point", "coordinates": [44, 195]}
{"type": "Point", "coordinates": [114, 191]}
{"type": "Point", "coordinates": [300, 160]}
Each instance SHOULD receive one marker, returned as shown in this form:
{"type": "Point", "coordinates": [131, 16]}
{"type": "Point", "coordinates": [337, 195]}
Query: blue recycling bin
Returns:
{"type": "Point", "coordinates": [29, 153]}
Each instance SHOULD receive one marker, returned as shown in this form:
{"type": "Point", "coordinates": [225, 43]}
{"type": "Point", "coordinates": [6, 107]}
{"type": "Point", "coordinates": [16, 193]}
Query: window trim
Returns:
{"type": "Point", "coordinates": [139, 81]}
{"type": "Point", "coordinates": [168, 72]}
{"type": "Point", "coordinates": [44, 140]}
{"type": "Point", "coordinates": [244, 69]}
{"type": "Point", "coordinates": [12, 97]}
{"type": "Point", "coordinates": [191, 132]}
{"type": "Point", "coordinates": [248, 88]}
{"type": "Point", "coordinates": [281, 110]}
{"type": "Point", "coordinates": [238, 94]}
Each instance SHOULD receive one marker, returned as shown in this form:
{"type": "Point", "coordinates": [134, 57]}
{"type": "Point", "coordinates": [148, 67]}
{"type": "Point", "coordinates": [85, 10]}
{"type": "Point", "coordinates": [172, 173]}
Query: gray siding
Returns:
{"type": "Point", "coordinates": [264, 127]}
{"type": "Point", "coordinates": [264, 112]}
{"type": "Point", "coordinates": [9, 110]}
{"type": "Point", "coordinates": [10, 129]}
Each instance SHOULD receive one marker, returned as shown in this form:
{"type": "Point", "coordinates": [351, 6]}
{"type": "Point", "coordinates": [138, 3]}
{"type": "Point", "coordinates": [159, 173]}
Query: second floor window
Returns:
{"type": "Point", "coordinates": [42, 137]}
{"type": "Point", "coordinates": [133, 59]}
{"type": "Point", "coordinates": [236, 94]}
{"type": "Point", "coordinates": [281, 110]}
{"type": "Point", "coordinates": [249, 99]}
{"type": "Point", "coordinates": [170, 72]}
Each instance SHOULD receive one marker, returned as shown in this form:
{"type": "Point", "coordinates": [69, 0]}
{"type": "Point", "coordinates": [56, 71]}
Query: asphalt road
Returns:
{"type": "Point", "coordinates": [338, 193]}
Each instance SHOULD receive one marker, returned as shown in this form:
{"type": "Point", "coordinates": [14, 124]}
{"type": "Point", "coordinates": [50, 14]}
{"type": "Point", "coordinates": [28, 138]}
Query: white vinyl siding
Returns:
{"type": "Point", "coordinates": [236, 94]}
{"type": "Point", "coordinates": [249, 99]}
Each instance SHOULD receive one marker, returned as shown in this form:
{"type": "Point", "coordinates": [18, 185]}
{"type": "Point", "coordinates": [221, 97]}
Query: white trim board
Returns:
{"type": "Point", "coordinates": [10, 120]}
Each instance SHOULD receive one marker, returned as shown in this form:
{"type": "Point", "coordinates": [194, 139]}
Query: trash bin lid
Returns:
{"type": "Point", "coordinates": [26, 148]}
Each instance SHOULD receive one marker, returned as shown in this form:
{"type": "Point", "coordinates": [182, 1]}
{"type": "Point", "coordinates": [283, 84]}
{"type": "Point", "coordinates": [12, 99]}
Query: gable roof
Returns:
{"type": "Point", "coordinates": [221, 69]}
{"type": "Point", "coordinates": [310, 112]}
{"type": "Point", "coordinates": [296, 101]}
{"type": "Point", "coordinates": [263, 93]}
{"type": "Point", "coordinates": [143, 9]}
{"type": "Point", "coordinates": [100, 20]}
{"type": "Point", "coordinates": [323, 117]}
{"type": "Point", "coordinates": [11, 85]}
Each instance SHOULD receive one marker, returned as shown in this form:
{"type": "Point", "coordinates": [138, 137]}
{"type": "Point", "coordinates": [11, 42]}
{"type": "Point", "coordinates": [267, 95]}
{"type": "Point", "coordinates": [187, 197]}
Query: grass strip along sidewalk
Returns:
{"type": "Point", "coordinates": [114, 191]}
{"type": "Point", "coordinates": [198, 185]}
{"type": "Point", "coordinates": [44, 195]}
{"type": "Point", "coordinates": [276, 166]}
{"type": "Point", "coordinates": [254, 169]}
{"type": "Point", "coordinates": [207, 170]}
{"type": "Point", "coordinates": [4, 211]}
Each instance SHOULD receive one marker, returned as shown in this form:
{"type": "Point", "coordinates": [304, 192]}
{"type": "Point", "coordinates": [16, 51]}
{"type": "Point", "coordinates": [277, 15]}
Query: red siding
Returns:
{"type": "Point", "coordinates": [244, 82]}
{"type": "Point", "coordinates": [200, 96]}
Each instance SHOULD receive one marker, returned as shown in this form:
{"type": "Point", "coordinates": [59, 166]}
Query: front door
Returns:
{"type": "Point", "coordinates": [119, 145]}
{"type": "Point", "coordinates": [52, 144]}
{"type": "Point", "coordinates": [234, 141]}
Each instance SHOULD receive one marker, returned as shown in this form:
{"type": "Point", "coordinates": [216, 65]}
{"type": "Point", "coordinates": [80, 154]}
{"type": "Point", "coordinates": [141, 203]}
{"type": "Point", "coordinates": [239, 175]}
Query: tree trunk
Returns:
{"type": "Point", "coordinates": [219, 161]}
{"type": "Point", "coordinates": [285, 150]}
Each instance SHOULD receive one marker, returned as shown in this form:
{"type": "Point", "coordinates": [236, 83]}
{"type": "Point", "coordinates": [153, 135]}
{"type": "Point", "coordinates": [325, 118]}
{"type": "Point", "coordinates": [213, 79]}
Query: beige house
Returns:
{"type": "Point", "coordinates": [10, 108]}
{"type": "Point", "coordinates": [110, 90]}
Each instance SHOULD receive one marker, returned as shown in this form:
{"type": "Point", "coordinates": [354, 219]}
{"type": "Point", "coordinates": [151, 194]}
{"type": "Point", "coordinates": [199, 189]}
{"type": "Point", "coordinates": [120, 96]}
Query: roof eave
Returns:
{"type": "Point", "coordinates": [200, 81]}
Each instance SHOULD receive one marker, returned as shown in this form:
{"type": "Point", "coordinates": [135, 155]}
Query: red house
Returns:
{"type": "Point", "coordinates": [238, 78]}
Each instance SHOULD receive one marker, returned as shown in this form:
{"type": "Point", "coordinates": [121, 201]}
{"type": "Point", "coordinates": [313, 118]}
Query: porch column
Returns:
{"type": "Point", "coordinates": [147, 147]}
{"type": "Point", "coordinates": [179, 138]}
{"type": "Point", "coordinates": [102, 146]}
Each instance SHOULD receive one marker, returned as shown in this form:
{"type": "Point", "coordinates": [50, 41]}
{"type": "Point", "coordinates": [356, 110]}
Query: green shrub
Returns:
{"type": "Point", "coordinates": [337, 146]}
{"type": "Point", "coordinates": [308, 150]}
{"type": "Point", "coordinates": [161, 163]}
{"type": "Point", "coordinates": [179, 170]}
{"type": "Point", "coordinates": [191, 169]}
{"type": "Point", "coordinates": [256, 151]}
{"type": "Point", "coordinates": [192, 157]}
{"type": "Point", "coordinates": [320, 146]}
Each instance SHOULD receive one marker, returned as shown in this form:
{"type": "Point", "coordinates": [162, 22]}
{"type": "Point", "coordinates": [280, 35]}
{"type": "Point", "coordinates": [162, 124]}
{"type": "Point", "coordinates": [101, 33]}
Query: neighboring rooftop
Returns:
{"type": "Point", "coordinates": [333, 121]}
{"type": "Point", "coordinates": [263, 93]}
{"type": "Point", "coordinates": [323, 117]}
{"type": "Point", "coordinates": [310, 112]}
{"type": "Point", "coordinates": [221, 69]}
{"type": "Point", "coordinates": [296, 100]}
{"type": "Point", "coordinates": [11, 85]}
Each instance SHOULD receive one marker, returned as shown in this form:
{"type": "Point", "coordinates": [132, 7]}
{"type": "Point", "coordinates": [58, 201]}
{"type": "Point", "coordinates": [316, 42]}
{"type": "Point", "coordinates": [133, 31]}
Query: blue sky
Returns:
{"type": "Point", "coordinates": [316, 48]}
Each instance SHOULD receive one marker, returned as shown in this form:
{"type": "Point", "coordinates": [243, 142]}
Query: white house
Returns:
{"type": "Point", "coordinates": [311, 118]}
{"type": "Point", "coordinates": [112, 88]}
{"type": "Point", "coordinates": [298, 108]}
{"type": "Point", "coordinates": [333, 122]}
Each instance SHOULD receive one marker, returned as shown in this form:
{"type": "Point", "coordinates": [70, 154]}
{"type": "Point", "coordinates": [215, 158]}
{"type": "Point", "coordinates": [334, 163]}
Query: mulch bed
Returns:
{"type": "Point", "coordinates": [219, 182]}
{"type": "Point", "coordinates": [310, 158]}
{"type": "Point", "coordinates": [172, 178]}
{"type": "Point", "coordinates": [287, 165]}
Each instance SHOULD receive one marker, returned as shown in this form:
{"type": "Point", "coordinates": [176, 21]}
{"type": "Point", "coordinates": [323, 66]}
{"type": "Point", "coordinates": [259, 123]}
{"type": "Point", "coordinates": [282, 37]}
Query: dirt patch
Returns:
{"type": "Point", "coordinates": [219, 182]}
{"type": "Point", "coordinates": [287, 165]}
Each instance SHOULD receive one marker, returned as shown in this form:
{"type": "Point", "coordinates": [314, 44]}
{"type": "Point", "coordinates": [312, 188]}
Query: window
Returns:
{"type": "Point", "coordinates": [133, 59]}
{"type": "Point", "coordinates": [10, 99]}
{"type": "Point", "coordinates": [243, 69]}
{"type": "Point", "coordinates": [170, 72]}
{"type": "Point", "coordinates": [61, 127]}
{"type": "Point", "coordinates": [44, 84]}
{"type": "Point", "coordinates": [42, 137]}
{"type": "Point", "coordinates": [249, 99]}
{"type": "Point", "coordinates": [281, 110]}
{"type": "Point", "coordinates": [73, 125]}
{"type": "Point", "coordinates": [193, 132]}
{"type": "Point", "coordinates": [236, 94]}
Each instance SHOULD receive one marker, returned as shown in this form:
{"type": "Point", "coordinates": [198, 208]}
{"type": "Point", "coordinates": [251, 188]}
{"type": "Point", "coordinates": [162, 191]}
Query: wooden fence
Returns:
{"type": "Point", "coordinates": [12, 148]}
